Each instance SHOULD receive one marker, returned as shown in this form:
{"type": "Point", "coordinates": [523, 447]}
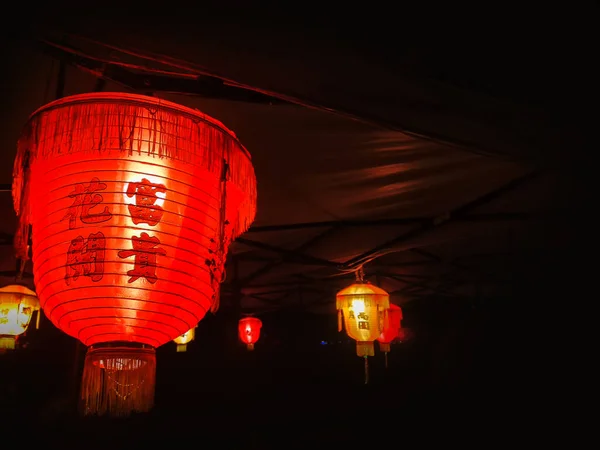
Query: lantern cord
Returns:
{"type": "Point", "coordinates": [386, 359]}
{"type": "Point", "coordinates": [360, 275]}
{"type": "Point", "coordinates": [22, 263]}
{"type": "Point", "coordinates": [366, 369]}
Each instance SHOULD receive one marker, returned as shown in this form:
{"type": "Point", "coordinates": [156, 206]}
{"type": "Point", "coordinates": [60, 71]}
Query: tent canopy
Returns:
{"type": "Point", "coordinates": [433, 184]}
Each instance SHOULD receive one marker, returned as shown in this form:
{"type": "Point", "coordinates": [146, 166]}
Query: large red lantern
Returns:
{"type": "Point", "coordinates": [133, 202]}
{"type": "Point", "coordinates": [249, 331]}
{"type": "Point", "coordinates": [391, 329]}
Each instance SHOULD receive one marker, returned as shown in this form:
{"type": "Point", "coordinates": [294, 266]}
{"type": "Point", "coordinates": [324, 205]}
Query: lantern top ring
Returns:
{"type": "Point", "coordinates": [140, 100]}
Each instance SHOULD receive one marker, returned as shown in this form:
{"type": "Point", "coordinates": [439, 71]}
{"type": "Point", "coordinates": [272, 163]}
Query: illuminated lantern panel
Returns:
{"type": "Point", "coordinates": [362, 306]}
{"type": "Point", "coordinates": [249, 331]}
{"type": "Point", "coordinates": [183, 340]}
{"type": "Point", "coordinates": [17, 305]}
{"type": "Point", "coordinates": [391, 327]}
{"type": "Point", "coordinates": [133, 202]}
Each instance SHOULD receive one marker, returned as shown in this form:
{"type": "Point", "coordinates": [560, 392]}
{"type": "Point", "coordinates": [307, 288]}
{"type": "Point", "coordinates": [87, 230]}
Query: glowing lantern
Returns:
{"type": "Point", "coordinates": [133, 202]}
{"type": "Point", "coordinates": [362, 308]}
{"type": "Point", "coordinates": [17, 305]}
{"type": "Point", "coordinates": [183, 340]}
{"type": "Point", "coordinates": [249, 331]}
{"type": "Point", "coordinates": [391, 329]}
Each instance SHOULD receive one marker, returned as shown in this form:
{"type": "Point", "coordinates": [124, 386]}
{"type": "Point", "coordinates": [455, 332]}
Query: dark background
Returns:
{"type": "Point", "coordinates": [485, 370]}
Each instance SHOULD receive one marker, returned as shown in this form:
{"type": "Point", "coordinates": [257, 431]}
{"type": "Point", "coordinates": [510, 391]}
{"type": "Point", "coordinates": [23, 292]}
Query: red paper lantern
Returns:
{"type": "Point", "coordinates": [133, 202]}
{"type": "Point", "coordinates": [249, 331]}
{"type": "Point", "coordinates": [391, 327]}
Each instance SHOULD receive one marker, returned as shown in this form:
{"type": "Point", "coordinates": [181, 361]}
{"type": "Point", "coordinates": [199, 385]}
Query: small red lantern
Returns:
{"type": "Point", "coordinates": [391, 329]}
{"type": "Point", "coordinates": [133, 202]}
{"type": "Point", "coordinates": [249, 331]}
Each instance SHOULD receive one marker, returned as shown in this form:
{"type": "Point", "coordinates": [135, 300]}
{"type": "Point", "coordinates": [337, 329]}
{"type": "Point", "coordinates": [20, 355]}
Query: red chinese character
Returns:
{"type": "Point", "coordinates": [145, 210]}
{"type": "Point", "coordinates": [145, 251]}
{"type": "Point", "coordinates": [87, 198]}
{"type": "Point", "coordinates": [85, 257]}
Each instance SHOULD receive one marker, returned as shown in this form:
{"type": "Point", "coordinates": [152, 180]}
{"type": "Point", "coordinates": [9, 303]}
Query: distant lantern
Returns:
{"type": "Point", "coordinates": [183, 340]}
{"type": "Point", "coordinates": [391, 329]}
{"type": "Point", "coordinates": [17, 305]}
{"type": "Point", "coordinates": [362, 307]}
{"type": "Point", "coordinates": [133, 202]}
{"type": "Point", "coordinates": [249, 331]}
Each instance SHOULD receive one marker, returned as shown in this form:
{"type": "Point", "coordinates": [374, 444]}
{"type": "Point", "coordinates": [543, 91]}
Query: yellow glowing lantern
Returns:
{"type": "Point", "coordinates": [362, 307]}
{"type": "Point", "coordinates": [183, 340]}
{"type": "Point", "coordinates": [17, 305]}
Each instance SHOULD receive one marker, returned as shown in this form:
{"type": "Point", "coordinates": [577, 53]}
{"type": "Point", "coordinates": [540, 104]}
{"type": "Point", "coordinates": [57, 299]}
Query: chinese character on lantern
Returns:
{"type": "Point", "coordinates": [85, 257]}
{"type": "Point", "coordinates": [145, 252]}
{"type": "Point", "coordinates": [85, 198]}
{"type": "Point", "coordinates": [145, 209]}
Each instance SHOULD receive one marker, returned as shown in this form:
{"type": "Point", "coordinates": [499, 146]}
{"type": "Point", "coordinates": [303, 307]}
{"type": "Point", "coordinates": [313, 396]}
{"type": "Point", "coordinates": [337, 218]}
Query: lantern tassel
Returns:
{"type": "Point", "coordinates": [250, 347]}
{"type": "Point", "coordinates": [386, 359]}
{"type": "Point", "coordinates": [366, 369]}
{"type": "Point", "coordinates": [118, 381]}
{"type": "Point", "coordinates": [20, 193]}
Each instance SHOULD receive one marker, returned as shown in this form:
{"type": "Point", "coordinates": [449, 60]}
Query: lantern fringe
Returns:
{"type": "Point", "coordinates": [134, 124]}
{"type": "Point", "coordinates": [118, 381]}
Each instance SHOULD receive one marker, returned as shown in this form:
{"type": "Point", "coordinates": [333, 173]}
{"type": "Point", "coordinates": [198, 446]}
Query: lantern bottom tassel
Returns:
{"type": "Point", "coordinates": [366, 369]}
{"type": "Point", "coordinates": [118, 381]}
{"type": "Point", "coordinates": [250, 347]}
